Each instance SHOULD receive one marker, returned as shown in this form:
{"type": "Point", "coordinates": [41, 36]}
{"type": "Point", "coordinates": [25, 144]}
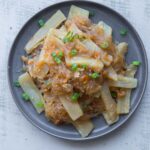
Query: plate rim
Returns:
{"type": "Point", "coordinates": [131, 111]}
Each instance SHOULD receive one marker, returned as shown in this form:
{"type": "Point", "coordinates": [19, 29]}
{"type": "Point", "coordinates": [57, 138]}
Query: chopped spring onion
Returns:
{"type": "Point", "coordinates": [94, 75]}
{"type": "Point", "coordinates": [74, 67]}
{"type": "Point", "coordinates": [136, 63]}
{"type": "Point", "coordinates": [53, 54]}
{"type": "Point", "coordinates": [76, 36]}
{"type": "Point", "coordinates": [123, 32]}
{"type": "Point", "coordinates": [104, 45]}
{"type": "Point", "coordinates": [39, 104]}
{"type": "Point", "coordinates": [17, 84]}
{"type": "Point", "coordinates": [25, 96]}
{"type": "Point", "coordinates": [68, 37]}
{"type": "Point", "coordinates": [75, 97]}
{"type": "Point", "coordinates": [60, 54]}
{"type": "Point", "coordinates": [84, 66]}
{"type": "Point", "coordinates": [71, 37]}
{"type": "Point", "coordinates": [41, 22]}
{"type": "Point", "coordinates": [57, 60]}
{"type": "Point", "coordinates": [113, 94]}
{"type": "Point", "coordinates": [73, 52]}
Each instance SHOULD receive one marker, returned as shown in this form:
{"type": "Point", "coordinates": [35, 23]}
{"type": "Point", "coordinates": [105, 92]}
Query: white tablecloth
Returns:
{"type": "Point", "coordinates": [16, 133]}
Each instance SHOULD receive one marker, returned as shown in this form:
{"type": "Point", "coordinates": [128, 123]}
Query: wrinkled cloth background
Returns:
{"type": "Point", "coordinates": [16, 133]}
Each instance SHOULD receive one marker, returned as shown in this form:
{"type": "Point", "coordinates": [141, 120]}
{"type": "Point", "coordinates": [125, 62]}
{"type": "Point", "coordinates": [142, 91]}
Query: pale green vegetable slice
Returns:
{"type": "Point", "coordinates": [111, 73]}
{"type": "Point", "coordinates": [73, 28]}
{"type": "Point", "coordinates": [94, 64]}
{"type": "Point", "coordinates": [77, 11]}
{"type": "Point", "coordinates": [63, 28]}
{"type": "Point", "coordinates": [73, 108]}
{"type": "Point", "coordinates": [123, 104]}
{"type": "Point", "coordinates": [32, 91]}
{"type": "Point", "coordinates": [84, 127]}
{"type": "Point", "coordinates": [59, 33]}
{"type": "Point", "coordinates": [90, 45]}
{"type": "Point", "coordinates": [131, 70]}
{"type": "Point", "coordinates": [124, 82]}
{"type": "Point", "coordinates": [122, 48]}
{"type": "Point", "coordinates": [107, 29]}
{"type": "Point", "coordinates": [54, 21]}
{"type": "Point", "coordinates": [108, 119]}
{"type": "Point", "coordinates": [110, 114]}
{"type": "Point", "coordinates": [45, 56]}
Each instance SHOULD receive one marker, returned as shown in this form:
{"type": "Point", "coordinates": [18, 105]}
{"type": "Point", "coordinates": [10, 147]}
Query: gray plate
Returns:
{"type": "Point", "coordinates": [116, 21]}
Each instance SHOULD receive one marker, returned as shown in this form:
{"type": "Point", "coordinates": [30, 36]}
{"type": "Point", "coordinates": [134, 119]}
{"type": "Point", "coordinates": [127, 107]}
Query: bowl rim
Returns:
{"type": "Point", "coordinates": [131, 111]}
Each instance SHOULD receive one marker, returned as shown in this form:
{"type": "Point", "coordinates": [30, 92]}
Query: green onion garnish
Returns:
{"type": "Point", "coordinates": [17, 84]}
{"type": "Point", "coordinates": [136, 63]}
{"type": "Point", "coordinates": [40, 104]}
{"type": "Point", "coordinates": [25, 96]}
{"type": "Point", "coordinates": [104, 45]}
{"type": "Point", "coordinates": [65, 40]}
{"type": "Point", "coordinates": [94, 75]}
{"type": "Point", "coordinates": [73, 52]}
{"type": "Point", "coordinates": [57, 60]}
{"type": "Point", "coordinates": [84, 66]}
{"type": "Point", "coordinates": [75, 96]}
{"type": "Point", "coordinates": [68, 37]}
{"type": "Point", "coordinates": [74, 67]}
{"type": "Point", "coordinates": [60, 54]}
{"type": "Point", "coordinates": [123, 32]}
{"type": "Point", "coordinates": [41, 22]}
{"type": "Point", "coordinates": [76, 36]}
{"type": "Point", "coordinates": [53, 54]}
{"type": "Point", "coordinates": [113, 94]}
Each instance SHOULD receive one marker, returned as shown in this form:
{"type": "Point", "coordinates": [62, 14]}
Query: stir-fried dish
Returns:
{"type": "Point", "coordinates": [75, 71]}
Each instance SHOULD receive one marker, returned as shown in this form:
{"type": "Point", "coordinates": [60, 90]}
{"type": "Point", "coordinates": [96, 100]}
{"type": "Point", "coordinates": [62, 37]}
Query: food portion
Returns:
{"type": "Point", "coordinates": [74, 71]}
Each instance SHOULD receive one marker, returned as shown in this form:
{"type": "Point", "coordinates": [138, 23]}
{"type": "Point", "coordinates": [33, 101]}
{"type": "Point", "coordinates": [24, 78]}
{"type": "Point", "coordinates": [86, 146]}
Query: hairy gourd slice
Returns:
{"type": "Point", "coordinates": [123, 104]}
{"type": "Point", "coordinates": [73, 108]}
{"type": "Point", "coordinates": [107, 29]}
{"type": "Point", "coordinates": [110, 114]}
{"type": "Point", "coordinates": [124, 82]}
{"type": "Point", "coordinates": [91, 46]}
{"type": "Point", "coordinates": [105, 58]}
{"type": "Point", "coordinates": [33, 92]}
{"type": "Point", "coordinates": [77, 11]}
{"type": "Point", "coordinates": [111, 74]}
{"type": "Point", "coordinates": [84, 127]}
{"type": "Point", "coordinates": [94, 64]}
{"type": "Point", "coordinates": [51, 43]}
{"type": "Point", "coordinates": [54, 21]}
{"type": "Point", "coordinates": [122, 48]}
